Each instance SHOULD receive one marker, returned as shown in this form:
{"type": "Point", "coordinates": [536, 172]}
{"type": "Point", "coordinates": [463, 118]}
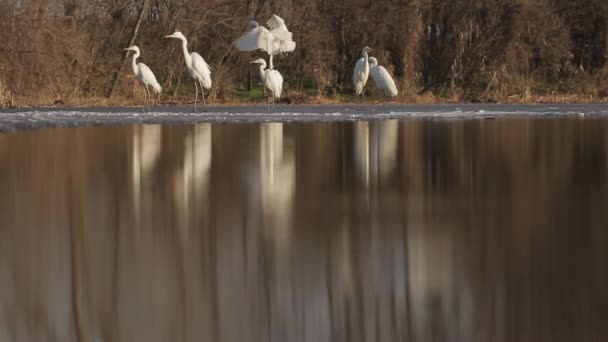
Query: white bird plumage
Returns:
{"type": "Point", "coordinates": [198, 69]}
{"type": "Point", "coordinates": [272, 79]}
{"type": "Point", "coordinates": [274, 41]}
{"type": "Point", "coordinates": [283, 37]}
{"type": "Point", "coordinates": [144, 75]}
{"type": "Point", "coordinates": [382, 78]}
{"type": "Point", "coordinates": [361, 73]}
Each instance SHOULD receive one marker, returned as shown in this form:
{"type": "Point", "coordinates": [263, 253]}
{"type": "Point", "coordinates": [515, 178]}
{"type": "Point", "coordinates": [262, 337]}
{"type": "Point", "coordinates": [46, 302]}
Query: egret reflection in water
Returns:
{"type": "Point", "coordinates": [415, 230]}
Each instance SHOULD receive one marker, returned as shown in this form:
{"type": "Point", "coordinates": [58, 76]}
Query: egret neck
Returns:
{"type": "Point", "coordinates": [134, 63]}
{"type": "Point", "coordinates": [366, 66]}
{"type": "Point", "coordinates": [187, 56]}
{"type": "Point", "coordinates": [262, 67]}
{"type": "Point", "coordinates": [262, 74]}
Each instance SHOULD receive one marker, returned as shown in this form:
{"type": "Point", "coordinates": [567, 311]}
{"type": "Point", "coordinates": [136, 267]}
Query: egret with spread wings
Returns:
{"type": "Point", "coordinates": [198, 69]}
{"type": "Point", "coordinates": [382, 78]}
{"type": "Point", "coordinates": [277, 39]}
{"type": "Point", "coordinates": [144, 75]}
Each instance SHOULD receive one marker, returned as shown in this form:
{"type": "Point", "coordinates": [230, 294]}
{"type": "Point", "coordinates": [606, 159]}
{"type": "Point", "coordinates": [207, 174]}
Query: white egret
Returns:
{"type": "Point", "coordinates": [276, 40]}
{"type": "Point", "coordinates": [272, 79]}
{"type": "Point", "coordinates": [144, 75]}
{"type": "Point", "coordinates": [382, 78]}
{"type": "Point", "coordinates": [198, 69]}
{"type": "Point", "coordinates": [361, 73]}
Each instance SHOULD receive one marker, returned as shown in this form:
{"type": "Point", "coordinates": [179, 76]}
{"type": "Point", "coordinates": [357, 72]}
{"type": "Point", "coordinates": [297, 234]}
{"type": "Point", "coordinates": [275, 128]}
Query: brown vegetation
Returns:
{"type": "Point", "coordinates": [69, 51]}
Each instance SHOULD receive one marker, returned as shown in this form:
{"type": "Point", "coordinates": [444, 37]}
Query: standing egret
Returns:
{"type": "Point", "coordinates": [382, 78]}
{"type": "Point", "coordinates": [198, 69]}
{"type": "Point", "coordinates": [272, 79]}
{"type": "Point", "coordinates": [361, 73]}
{"type": "Point", "coordinates": [274, 41]}
{"type": "Point", "coordinates": [144, 75]}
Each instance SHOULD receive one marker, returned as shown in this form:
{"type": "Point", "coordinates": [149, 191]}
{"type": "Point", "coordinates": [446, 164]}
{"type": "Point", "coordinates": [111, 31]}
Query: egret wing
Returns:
{"type": "Point", "coordinates": [202, 69]}
{"type": "Point", "coordinates": [281, 33]}
{"type": "Point", "coordinates": [359, 76]}
{"type": "Point", "coordinates": [256, 38]}
{"type": "Point", "coordinates": [287, 46]}
{"type": "Point", "coordinates": [276, 22]}
{"type": "Point", "coordinates": [384, 80]}
{"type": "Point", "coordinates": [390, 86]}
{"type": "Point", "coordinates": [358, 73]}
{"type": "Point", "coordinates": [274, 82]}
{"type": "Point", "coordinates": [146, 76]}
{"type": "Point", "coordinates": [274, 41]}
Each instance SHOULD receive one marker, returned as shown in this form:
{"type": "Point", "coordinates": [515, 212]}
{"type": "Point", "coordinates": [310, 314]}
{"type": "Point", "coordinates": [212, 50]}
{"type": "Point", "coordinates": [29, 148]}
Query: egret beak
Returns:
{"type": "Point", "coordinates": [253, 62]}
{"type": "Point", "coordinates": [169, 36]}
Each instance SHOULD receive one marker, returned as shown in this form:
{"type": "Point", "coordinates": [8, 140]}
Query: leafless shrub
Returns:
{"type": "Point", "coordinates": [457, 50]}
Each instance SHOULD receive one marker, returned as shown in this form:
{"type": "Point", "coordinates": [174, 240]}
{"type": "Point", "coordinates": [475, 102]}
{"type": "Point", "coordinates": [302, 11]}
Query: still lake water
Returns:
{"type": "Point", "coordinates": [387, 230]}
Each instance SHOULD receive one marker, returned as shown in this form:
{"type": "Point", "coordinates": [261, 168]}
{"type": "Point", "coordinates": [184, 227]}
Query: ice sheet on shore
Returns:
{"type": "Point", "coordinates": [12, 120]}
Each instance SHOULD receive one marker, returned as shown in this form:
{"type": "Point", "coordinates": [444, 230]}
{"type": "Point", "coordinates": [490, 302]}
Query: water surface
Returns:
{"type": "Point", "coordinates": [385, 230]}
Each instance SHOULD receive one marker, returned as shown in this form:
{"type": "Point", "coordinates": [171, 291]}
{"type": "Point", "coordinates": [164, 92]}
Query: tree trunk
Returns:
{"type": "Point", "coordinates": [144, 8]}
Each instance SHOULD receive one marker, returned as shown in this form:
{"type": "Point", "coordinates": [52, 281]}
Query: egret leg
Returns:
{"type": "Point", "coordinates": [143, 109]}
{"type": "Point", "coordinates": [363, 98]}
{"type": "Point", "coordinates": [149, 96]}
{"type": "Point", "coordinates": [152, 98]}
{"type": "Point", "coordinates": [195, 94]}
{"type": "Point", "coordinates": [203, 92]}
